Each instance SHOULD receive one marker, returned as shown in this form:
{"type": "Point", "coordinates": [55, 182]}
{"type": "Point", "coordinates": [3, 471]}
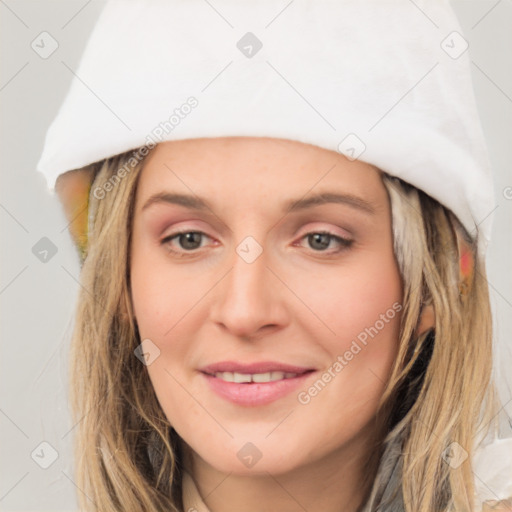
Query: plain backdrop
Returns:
{"type": "Point", "coordinates": [38, 298]}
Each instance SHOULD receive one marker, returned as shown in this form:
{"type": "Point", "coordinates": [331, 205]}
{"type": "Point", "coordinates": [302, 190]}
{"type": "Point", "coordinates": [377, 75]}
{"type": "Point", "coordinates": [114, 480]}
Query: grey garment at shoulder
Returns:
{"type": "Point", "coordinates": [386, 494]}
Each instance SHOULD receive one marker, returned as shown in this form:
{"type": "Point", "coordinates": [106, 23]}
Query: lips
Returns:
{"type": "Point", "coordinates": [256, 383]}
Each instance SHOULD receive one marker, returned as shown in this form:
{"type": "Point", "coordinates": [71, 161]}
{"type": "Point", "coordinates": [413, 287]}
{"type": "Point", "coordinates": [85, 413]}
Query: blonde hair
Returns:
{"type": "Point", "coordinates": [454, 397]}
{"type": "Point", "coordinates": [127, 456]}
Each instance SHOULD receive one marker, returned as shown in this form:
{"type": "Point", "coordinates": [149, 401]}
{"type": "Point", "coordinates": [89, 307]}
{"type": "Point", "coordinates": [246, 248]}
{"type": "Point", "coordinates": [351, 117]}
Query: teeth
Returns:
{"type": "Point", "coordinates": [240, 377]}
{"type": "Point", "coordinates": [254, 377]}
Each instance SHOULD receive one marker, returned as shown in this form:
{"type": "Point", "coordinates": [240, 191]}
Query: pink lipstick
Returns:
{"type": "Point", "coordinates": [256, 383]}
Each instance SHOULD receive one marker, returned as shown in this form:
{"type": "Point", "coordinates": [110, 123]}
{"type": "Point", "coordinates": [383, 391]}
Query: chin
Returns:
{"type": "Point", "coordinates": [241, 457]}
{"type": "Point", "coordinates": [274, 464]}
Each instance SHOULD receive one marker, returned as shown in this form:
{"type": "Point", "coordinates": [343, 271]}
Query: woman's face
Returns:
{"type": "Point", "coordinates": [268, 343]}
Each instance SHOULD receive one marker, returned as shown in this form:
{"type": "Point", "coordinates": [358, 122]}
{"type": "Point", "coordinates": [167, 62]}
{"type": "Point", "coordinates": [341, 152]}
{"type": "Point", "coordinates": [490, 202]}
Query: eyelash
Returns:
{"type": "Point", "coordinates": [345, 243]}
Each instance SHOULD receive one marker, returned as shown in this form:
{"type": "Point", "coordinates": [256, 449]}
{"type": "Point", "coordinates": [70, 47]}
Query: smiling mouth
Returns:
{"type": "Point", "coordinates": [254, 384]}
{"type": "Point", "coordinates": [255, 389]}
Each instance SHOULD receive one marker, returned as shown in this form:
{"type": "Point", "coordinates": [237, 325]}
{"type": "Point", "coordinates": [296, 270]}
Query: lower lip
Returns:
{"type": "Point", "coordinates": [255, 393]}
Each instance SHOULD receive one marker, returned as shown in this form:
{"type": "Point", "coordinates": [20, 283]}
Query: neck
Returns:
{"type": "Point", "coordinates": [333, 483]}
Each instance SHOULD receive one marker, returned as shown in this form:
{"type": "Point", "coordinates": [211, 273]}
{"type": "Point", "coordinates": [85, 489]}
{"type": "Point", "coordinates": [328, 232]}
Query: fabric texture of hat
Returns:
{"type": "Point", "coordinates": [387, 82]}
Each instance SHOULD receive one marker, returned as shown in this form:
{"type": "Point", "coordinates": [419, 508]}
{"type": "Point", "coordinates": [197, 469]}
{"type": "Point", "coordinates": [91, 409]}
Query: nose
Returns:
{"type": "Point", "coordinates": [250, 300]}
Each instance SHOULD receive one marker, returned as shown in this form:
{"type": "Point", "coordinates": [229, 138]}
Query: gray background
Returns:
{"type": "Point", "coordinates": [38, 299]}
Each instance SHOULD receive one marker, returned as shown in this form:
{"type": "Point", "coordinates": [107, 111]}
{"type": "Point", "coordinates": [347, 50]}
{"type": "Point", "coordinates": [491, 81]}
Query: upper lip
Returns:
{"type": "Point", "coordinates": [251, 368]}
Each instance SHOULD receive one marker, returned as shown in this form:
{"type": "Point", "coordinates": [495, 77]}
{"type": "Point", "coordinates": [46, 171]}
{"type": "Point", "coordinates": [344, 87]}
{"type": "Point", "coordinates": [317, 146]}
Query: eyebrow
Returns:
{"type": "Point", "coordinates": [330, 197]}
{"type": "Point", "coordinates": [193, 202]}
{"type": "Point", "coordinates": [292, 205]}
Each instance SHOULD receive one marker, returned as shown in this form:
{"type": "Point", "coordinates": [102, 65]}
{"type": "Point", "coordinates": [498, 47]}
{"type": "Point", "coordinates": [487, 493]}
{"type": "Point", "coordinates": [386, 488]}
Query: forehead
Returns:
{"type": "Point", "coordinates": [251, 169]}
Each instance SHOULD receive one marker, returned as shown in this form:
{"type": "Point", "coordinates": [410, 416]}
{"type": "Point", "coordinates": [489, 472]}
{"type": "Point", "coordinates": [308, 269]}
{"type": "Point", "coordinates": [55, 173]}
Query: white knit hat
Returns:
{"type": "Point", "coordinates": [384, 81]}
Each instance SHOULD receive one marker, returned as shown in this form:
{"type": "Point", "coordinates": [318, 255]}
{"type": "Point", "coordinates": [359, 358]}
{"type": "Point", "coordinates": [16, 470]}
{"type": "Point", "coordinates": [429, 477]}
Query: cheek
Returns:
{"type": "Point", "coordinates": [357, 323]}
{"type": "Point", "coordinates": [166, 302]}
{"type": "Point", "coordinates": [162, 301]}
{"type": "Point", "coordinates": [353, 301]}
{"type": "Point", "coordinates": [161, 297]}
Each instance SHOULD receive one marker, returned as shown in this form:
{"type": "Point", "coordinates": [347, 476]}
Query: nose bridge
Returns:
{"type": "Point", "coordinates": [249, 297]}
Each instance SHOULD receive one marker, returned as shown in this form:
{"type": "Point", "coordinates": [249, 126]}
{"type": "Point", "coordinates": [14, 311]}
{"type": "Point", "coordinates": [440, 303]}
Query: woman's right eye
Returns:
{"type": "Point", "coordinates": [188, 241]}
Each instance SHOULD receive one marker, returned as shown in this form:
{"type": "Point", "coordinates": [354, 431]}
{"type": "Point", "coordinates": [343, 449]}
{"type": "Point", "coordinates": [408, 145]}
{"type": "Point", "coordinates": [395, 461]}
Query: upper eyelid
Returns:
{"type": "Point", "coordinates": [319, 227]}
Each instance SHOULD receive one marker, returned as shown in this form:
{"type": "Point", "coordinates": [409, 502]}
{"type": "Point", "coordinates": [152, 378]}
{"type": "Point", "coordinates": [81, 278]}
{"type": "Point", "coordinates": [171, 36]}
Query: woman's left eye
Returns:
{"type": "Point", "coordinates": [191, 240]}
{"type": "Point", "coordinates": [322, 239]}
